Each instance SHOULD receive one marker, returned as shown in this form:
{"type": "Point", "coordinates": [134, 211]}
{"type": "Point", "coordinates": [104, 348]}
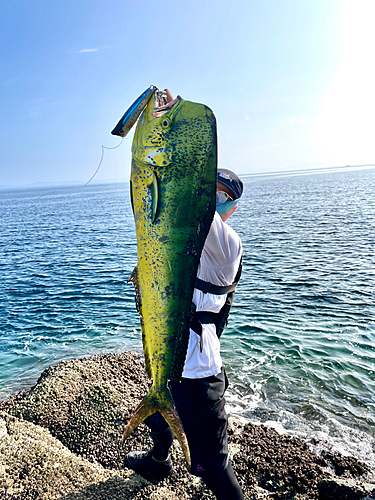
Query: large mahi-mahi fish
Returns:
{"type": "Point", "coordinates": [173, 186]}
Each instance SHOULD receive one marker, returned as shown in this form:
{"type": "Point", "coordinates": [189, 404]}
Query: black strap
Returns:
{"type": "Point", "coordinates": [196, 326]}
{"type": "Point", "coordinates": [202, 318]}
{"type": "Point", "coordinates": [206, 287]}
{"type": "Point", "coordinates": [206, 317]}
{"type": "Point", "coordinates": [220, 319]}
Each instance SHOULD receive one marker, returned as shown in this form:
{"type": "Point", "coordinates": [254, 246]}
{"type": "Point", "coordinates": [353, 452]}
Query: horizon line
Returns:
{"type": "Point", "coordinates": [51, 184]}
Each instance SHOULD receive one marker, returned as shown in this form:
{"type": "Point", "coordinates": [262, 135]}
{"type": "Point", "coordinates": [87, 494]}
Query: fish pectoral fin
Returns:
{"type": "Point", "coordinates": [131, 196]}
{"type": "Point", "coordinates": [154, 190]}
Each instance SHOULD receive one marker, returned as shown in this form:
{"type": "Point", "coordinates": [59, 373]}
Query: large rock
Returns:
{"type": "Point", "coordinates": [84, 402]}
{"type": "Point", "coordinates": [35, 465]}
{"type": "Point", "coordinates": [61, 440]}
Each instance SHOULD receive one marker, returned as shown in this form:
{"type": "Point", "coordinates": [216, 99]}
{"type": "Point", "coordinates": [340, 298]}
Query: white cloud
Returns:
{"type": "Point", "coordinates": [84, 51]}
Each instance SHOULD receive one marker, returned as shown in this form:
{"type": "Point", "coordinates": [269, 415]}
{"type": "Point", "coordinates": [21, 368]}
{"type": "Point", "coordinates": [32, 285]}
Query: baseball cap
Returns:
{"type": "Point", "coordinates": [230, 180]}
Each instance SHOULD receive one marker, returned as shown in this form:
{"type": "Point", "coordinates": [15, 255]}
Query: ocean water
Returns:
{"type": "Point", "coordinates": [299, 349]}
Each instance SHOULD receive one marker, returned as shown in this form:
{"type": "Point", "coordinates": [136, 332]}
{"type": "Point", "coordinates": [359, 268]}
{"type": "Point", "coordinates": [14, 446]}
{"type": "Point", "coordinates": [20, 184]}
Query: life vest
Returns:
{"type": "Point", "coordinates": [220, 319]}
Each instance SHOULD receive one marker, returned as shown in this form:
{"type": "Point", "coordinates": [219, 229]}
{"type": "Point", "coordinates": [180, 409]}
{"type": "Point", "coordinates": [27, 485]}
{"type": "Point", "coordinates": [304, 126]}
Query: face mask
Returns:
{"type": "Point", "coordinates": [223, 208]}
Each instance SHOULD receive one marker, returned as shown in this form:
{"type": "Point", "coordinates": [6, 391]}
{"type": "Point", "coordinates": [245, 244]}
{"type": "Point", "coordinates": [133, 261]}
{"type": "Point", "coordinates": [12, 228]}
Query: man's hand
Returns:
{"type": "Point", "coordinates": [169, 95]}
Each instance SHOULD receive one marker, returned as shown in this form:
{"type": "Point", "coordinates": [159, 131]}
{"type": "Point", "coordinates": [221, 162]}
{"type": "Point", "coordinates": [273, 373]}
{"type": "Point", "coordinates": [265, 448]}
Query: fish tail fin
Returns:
{"type": "Point", "coordinates": [143, 410]}
{"type": "Point", "coordinates": [147, 407]}
{"type": "Point", "coordinates": [173, 420]}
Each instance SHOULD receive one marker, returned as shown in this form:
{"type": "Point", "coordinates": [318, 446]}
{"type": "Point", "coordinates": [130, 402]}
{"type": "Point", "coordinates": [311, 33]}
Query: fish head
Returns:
{"type": "Point", "coordinates": [174, 152]}
{"type": "Point", "coordinates": [187, 130]}
{"type": "Point", "coordinates": [151, 143]}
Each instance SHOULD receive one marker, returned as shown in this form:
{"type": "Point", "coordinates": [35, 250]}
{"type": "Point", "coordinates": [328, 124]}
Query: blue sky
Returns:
{"type": "Point", "coordinates": [291, 82]}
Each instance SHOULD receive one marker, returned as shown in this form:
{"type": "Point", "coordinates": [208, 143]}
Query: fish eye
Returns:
{"type": "Point", "coordinates": [165, 123]}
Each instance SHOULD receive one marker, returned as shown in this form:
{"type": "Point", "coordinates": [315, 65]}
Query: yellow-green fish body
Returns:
{"type": "Point", "coordinates": [173, 186]}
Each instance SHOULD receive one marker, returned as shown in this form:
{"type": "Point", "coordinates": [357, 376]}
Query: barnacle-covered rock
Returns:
{"type": "Point", "coordinates": [35, 465]}
{"type": "Point", "coordinates": [83, 403]}
{"type": "Point", "coordinates": [61, 440]}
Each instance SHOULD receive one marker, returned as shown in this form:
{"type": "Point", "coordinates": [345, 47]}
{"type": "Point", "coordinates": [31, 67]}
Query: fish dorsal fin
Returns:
{"type": "Point", "coordinates": [154, 190]}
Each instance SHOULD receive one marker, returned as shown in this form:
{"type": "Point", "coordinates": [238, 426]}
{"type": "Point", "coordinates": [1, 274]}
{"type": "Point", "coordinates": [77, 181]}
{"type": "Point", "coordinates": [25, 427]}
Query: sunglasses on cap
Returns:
{"type": "Point", "coordinates": [222, 197]}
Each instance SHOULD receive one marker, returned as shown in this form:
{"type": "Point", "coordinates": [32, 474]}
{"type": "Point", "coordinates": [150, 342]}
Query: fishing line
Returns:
{"type": "Point", "coordinates": [48, 192]}
{"type": "Point", "coordinates": [101, 161]}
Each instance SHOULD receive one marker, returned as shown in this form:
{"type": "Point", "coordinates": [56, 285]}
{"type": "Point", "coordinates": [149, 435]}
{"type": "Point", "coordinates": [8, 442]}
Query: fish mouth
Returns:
{"type": "Point", "coordinates": [154, 130]}
{"type": "Point", "coordinates": [161, 103]}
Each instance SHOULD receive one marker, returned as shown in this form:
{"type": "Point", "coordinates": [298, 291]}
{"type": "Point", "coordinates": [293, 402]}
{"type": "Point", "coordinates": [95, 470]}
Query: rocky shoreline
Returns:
{"type": "Point", "coordinates": [61, 440]}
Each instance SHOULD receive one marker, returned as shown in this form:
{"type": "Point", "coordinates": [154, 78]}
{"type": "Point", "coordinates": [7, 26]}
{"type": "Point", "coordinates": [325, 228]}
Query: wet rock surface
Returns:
{"type": "Point", "coordinates": [61, 440]}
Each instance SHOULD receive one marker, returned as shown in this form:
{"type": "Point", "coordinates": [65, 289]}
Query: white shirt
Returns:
{"type": "Point", "coordinates": [218, 265]}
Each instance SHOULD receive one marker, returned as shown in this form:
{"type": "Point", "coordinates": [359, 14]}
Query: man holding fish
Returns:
{"type": "Point", "coordinates": [189, 263]}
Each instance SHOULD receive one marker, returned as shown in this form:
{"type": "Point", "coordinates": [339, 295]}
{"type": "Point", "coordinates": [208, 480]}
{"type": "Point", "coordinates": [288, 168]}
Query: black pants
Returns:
{"type": "Point", "coordinates": [200, 405]}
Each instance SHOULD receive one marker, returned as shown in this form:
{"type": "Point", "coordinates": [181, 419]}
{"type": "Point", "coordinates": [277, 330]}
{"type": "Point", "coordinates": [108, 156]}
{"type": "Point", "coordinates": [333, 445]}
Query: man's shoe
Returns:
{"type": "Point", "coordinates": [143, 464]}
